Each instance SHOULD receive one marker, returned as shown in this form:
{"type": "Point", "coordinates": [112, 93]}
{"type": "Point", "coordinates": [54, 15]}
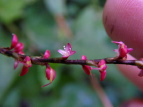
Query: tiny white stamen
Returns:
{"type": "Point", "coordinates": [64, 47]}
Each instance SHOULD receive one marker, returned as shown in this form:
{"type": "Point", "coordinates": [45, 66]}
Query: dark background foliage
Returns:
{"type": "Point", "coordinates": [50, 24]}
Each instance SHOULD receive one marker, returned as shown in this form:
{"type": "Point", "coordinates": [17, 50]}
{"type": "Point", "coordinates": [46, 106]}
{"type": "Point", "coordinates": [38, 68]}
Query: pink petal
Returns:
{"type": "Point", "coordinates": [27, 61]}
{"type": "Point", "coordinates": [72, 52]}
{"type": "Point", "coordinates": [102, 69]}
{"type": "Point", "coordinates": [122, 50]}
{"type": "Point", "coordinates": [101, 63]}
{"type": "Point", "coordinates": [87, 69]}
{"type": "Point", "coordinates": [14, 41]}
{"type": "Point", "coordinates": [24, 71]}
{"type": "Point", "coordinates": [68, 47]}
{"type": "Point", "coordinates": [62, 52]}
{"type": "Point", "coordinates": [102, 75]}
{"type": "Point", "coordinates": [47, 54]}
{"type": "Point", "coordinates": [16, 64]}
{"type": "Point", "coordinates": [19, 47]}
{"type": "Point", "coordinates": [50, 74]}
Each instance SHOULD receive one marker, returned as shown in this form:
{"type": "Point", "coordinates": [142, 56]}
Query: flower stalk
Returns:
{"type": "Point", "coordinates": [16, 51]}
{"type": "Point", "coordinates": [38, 60]}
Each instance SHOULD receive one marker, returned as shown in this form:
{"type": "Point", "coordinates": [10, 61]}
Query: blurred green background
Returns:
{"type": "Point", "coordinates": [50, 24]}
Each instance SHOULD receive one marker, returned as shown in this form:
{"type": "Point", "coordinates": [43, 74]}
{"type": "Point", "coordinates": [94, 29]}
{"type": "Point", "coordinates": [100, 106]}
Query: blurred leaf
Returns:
{"type": "Point", "coordinates": [73, 96]}
{"type": "Point", "coordinates": [5, 40]}
{"type": "Point", "coordinates": [7, 76]}
{"type": "Point", "coordinates": [56, 6]}
{"type": "Point", "coordinates": [11, 9]}
{"type": "Point", "coordinates": [13, 99]}
{"type": "Point", "coordinates": [40, 27]}
{"type": "Point", "coordinates": [90, 35]}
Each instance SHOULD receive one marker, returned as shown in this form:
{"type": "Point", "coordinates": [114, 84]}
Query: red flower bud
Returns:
{"type": "Point", "coordinates": [14, 41]}
{"type": "Point", "coordinates": [19, 47]}
{"type": "Point", "coordinates": [87, 69]}
{"type": "Point", "coordinates": [122, 50]}
{"type": "Point", "coordinates": [102, 69]}
{"type": "Point", "coordinates": [46, 54]}
{"type": "Point", "coordinates": [27, 63]}
{"type": "Point", "coordinates": [50, 74]}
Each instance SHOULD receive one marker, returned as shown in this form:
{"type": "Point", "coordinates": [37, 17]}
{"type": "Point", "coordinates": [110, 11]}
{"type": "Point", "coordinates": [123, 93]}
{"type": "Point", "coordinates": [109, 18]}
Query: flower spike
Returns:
{"type": "Point", "coordinates": [67, 51]}
{"type": "Point", "coordinates": [122, 50]}
{"type": "Point", "coordinates": [87, 69]}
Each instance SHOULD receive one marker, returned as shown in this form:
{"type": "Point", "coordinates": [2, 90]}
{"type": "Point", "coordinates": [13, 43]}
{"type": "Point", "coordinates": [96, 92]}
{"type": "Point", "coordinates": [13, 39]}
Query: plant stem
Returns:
{"type": "Point", "coordinates": [38, 60]}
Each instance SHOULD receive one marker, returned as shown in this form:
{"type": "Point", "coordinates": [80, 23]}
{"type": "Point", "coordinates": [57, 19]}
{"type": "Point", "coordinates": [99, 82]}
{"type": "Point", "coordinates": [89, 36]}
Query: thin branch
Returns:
{"type": "Point", "coordinates": [42, 61]}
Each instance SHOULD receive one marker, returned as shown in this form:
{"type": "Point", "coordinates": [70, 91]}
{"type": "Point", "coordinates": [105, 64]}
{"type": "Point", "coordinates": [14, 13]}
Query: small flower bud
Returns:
{"type": "Point", "coordinates": [122, 50]}
{"type": "Point", "coordinates": [46, 54]}
{"type": "Point", "coordinates": [87, 69]}
{"type": "Point", "coordinates": [19, 47]}
{"type": "Point", "coordinates": [102, 69]}
{"type": "Point", "coordinates": [50, 74]}
{"type": "Point", "coordinates": [27, 63]}
{"type": "Point", "coordinates": [14, 41]}
{"type": "Point", "coordinates": [24, 71]}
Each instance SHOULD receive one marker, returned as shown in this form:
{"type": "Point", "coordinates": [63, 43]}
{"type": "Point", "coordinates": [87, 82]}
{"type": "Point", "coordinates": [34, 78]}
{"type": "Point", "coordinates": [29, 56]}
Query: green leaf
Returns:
{"type": "Point", "coordinates": [56, 6]}
{"type": "Point", "coordinates": [11, 9]}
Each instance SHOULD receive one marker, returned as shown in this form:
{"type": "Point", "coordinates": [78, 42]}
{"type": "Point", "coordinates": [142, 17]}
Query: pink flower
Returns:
{"type": "Point", "coordinates": [87, 69]}
{"type": "Point", "coordinates": [50, 73]}
{"type": "Point", "coordinates": [26, 64]}
{"type": "Point", "coordinates": [122, 50]}
{"type": "Point", "coordinates": [67, 51]}
{"type": "Point", "coordinates": [102, 69]}
{"type": "Point", "coordinates": [14, 41]}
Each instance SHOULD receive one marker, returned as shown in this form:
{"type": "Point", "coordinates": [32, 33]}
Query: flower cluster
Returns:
{"type": "Point", "coordinates": [51, 73]}
{"type": "Point", "coordinates": [17, 47]}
